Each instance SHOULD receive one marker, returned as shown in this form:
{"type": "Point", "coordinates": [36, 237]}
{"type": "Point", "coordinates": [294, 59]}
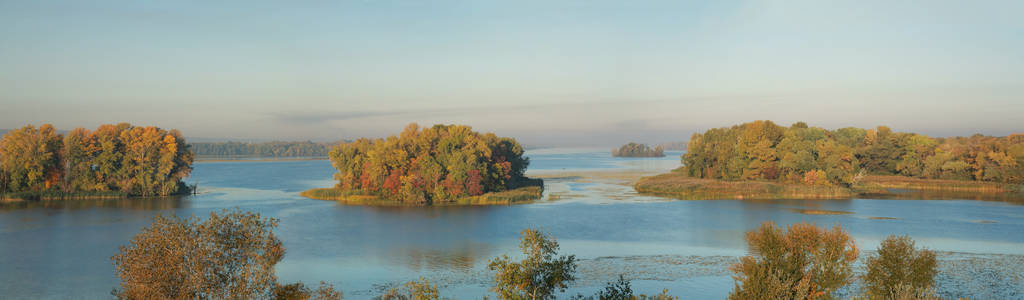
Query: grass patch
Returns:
{"type": "Point", "coordinates": [679, 185]}
{"type": "Point", "coordinates": [876, 182]}
{"type": "Point", "coordinates": [529, 190]}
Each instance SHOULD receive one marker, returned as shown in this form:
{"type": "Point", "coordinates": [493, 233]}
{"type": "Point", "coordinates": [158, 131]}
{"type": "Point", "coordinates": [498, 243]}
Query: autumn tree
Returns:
{"type": "Point", "coordinates": [761, 150]}
{"type": "Point", "coordinates": [142, 161]}
{"type": "Point", "coordinates": [638, 150]}
{"type": "Point", "coordinates": [539, 275]}
{"type": "Point", "coordinates": [802, 262]}
{"type": "Point", "coordinates": [231, 254]}
{"type": "Point", "coordinates": [30, 158]}
{"type": "Point", "coordinates": [430, 165]}
{"type": "Point", "coordinates": [899, 267]}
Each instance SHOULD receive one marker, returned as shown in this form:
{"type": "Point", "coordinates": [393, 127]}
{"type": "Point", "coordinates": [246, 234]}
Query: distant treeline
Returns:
{"type": "Point", "coordinates": [432, 165]}
{"type": "Point", "coordinates": [268, 149]}
{"type": "Point", "coordinates": [638, 150]}
{"type": "Point", "coordinates": [113, 160]}
{"type": "Point", "coordinates": [764, 150]}
{"type": "Point", "coordinates": [674, 146]}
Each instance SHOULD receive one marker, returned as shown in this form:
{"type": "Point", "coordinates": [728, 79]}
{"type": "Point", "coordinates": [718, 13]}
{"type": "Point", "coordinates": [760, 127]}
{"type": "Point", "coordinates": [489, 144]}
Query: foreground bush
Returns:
{"type": "Point", "coordinates": [230, 255]}
{"type": "Point", "coordinates": [622, 289]}
{"type": "Point", "coordinates": [899, 269]}
{"type": "Point", "coordinates": [537, 276]}
{"type": "Point", "coordinates": [414, 290]}
{"type": "Point", "coordinates": [299, 291]}
{"type": "Point", "coordinates": [804, 262]}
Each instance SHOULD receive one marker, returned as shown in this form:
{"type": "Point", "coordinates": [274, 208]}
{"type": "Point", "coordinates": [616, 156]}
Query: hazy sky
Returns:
{"type": "Point", "coordinates": [545, 72]}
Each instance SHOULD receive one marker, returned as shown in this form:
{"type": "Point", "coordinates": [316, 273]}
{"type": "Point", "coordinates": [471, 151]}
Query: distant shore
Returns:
{"type": "Point", "coordinates": [203, 159]}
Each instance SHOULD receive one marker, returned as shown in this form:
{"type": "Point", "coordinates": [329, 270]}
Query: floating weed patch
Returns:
{"type": "Point", "coordinates": [821, 212]}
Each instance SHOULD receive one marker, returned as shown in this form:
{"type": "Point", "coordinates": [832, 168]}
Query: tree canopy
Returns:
{"type": "Point", "coordinates": [638, 150]}
{"type": "Point", "coordinates": [539, 275]}
{"type": "Point", "coordinates": [803, 262]}
{"type": "Point", "coordinates": [762, 150]}
{"type": "Point", "coordinates": [431, 165]}
{"type": "Point", "coordinates": [132, 160]}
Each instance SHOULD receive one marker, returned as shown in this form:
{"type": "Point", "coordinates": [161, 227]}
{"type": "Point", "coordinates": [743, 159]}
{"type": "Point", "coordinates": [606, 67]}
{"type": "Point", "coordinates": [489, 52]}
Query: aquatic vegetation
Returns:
{"type": "Point", "coordinates": [821, 212]}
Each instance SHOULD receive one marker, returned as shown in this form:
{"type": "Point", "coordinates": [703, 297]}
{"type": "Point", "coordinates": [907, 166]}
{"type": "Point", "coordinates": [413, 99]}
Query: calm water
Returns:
{"type": "Point", "coordinates": [62, 250]}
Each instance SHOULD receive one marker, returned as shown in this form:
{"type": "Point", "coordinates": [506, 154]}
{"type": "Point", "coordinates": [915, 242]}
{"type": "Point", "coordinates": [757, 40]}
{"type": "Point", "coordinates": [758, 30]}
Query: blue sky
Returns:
{"type": "Point", "coordinates": [545, 72]}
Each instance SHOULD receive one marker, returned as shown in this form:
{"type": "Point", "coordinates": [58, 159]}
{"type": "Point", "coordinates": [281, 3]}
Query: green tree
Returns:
{"type": "Point", "coordinates": [899, 266]}
{"type": "Point", "coordinates": [31, 158]}
{"type": "Point", "coordinates": [804, 262]}
{"type": "Point", "coordinates": [539, 275]}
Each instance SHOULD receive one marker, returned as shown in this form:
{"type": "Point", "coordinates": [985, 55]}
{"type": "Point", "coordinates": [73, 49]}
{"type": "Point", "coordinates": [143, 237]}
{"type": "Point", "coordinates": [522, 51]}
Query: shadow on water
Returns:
{"type": "Point", "coordinates": [909, 194]}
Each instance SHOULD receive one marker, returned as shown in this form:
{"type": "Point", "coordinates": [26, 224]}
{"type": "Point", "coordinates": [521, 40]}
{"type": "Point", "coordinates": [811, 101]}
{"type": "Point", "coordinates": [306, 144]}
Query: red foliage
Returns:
{"type": "Point", "coordinates": [474, 185]}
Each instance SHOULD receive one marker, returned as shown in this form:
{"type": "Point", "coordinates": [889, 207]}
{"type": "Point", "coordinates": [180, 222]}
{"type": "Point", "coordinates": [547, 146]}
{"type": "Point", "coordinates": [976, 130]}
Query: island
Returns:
{"type": "Point", "coordinates": [440, 165]}
{"type": "Point", "coordinates": [114, 161]}
{"type": "Point", "coordinates": [638, 150]}
{"type": "Point", "coordinates": [762, 160]}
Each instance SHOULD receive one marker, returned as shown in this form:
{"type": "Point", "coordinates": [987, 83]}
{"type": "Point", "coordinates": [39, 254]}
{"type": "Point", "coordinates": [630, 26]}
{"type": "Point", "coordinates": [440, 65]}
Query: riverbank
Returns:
{"type": "Point", "coordinates": [38, 196]}
{"type": "Point", "coordinates": [519, 195]}
{"type": "Point", "coordinates": [679, 185]}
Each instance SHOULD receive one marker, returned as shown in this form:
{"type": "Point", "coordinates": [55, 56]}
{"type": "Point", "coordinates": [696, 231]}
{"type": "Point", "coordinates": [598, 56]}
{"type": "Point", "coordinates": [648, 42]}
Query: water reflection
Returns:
{"type": "Point", "coordinates": [461, 257]}
{"type": "Point", "coordinates": [905, 194]}
{"type": "Point", "coordinates": [139, 203]}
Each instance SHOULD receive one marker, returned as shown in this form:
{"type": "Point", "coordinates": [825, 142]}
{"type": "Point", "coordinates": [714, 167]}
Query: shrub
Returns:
{"type": "Point", "coordinates": [805, 262]}
{"type": "Point", "coordinates": [537, 276]}
{"type": "Point", "coordinates": [230, 255]}
{"type": "Point", "coordinates": [899, 268]}
{"type": "Point", "coordinates": [299, 291]}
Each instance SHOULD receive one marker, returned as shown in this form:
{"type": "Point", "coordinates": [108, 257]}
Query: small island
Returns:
{"type": "Point", "coordinates": [114, 161]}
{"type": "Point", "coordinates": [762, 160]}
{"type": "Point", "coordinates": [638, 150]}
{"type": "Point", "coordinates": [441, 165]}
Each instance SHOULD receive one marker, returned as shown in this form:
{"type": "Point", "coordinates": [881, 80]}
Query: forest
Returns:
{"type": "Point", "coordinates": [762, 150]}
{"type": "Point", "coordinates": [267, 149]}
{"type": "Point", "coordinates": [430, 165]}
{"type": "Point", "coordinates": [638, 150]}
{"type": "Point", "coordinates": [117, 159]}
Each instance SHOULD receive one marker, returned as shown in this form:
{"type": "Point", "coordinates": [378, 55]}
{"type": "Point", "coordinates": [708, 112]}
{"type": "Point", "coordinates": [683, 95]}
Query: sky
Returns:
{"type": "Point", "coordinates": [554, 73]}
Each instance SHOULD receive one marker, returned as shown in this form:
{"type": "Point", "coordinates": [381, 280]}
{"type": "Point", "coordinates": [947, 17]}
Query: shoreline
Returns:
{"type": "Point", "coordinates": [520, 195]}
{"type": "Point", "coordinates": [680, 186]}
